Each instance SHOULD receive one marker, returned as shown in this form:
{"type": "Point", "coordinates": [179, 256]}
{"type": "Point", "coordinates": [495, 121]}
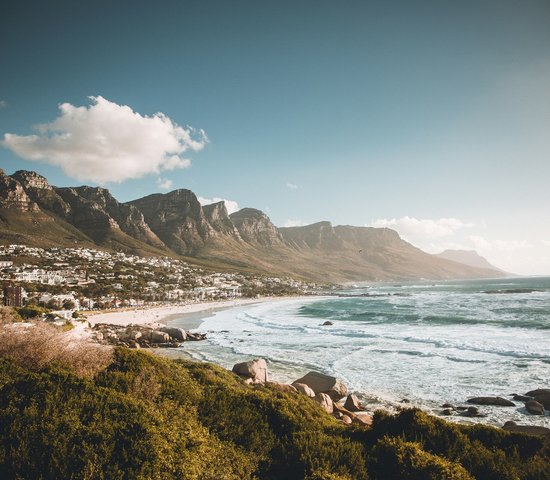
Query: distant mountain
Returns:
{"type": "Point", "coordinates": [467, 257]}
{"type": "Point", "coordinates": [36, 213]}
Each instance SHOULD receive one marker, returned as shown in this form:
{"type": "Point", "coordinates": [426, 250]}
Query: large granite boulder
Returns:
{"type": "Point", "coordinates": [527, 429]}
{"type": "Point", "coordinates": [321, 383]}
{"type": "Point", "coordinates": [353, 404]}
{"type": "Point", "coordinates": [544, 399]}
{"type": "Point", "coordinates": [255, 369]}
{"type": "Point", "coordinates": [303, 388]}
{"type": "Point", "coordinates": [538, 391]}
{"type": "Point", "coordinates": [534, 407]}
{"type": "Point", "coordinates": [325, 401]}
{"type": "Point", "coordinates": [178, 334]}
{"type": "Point", "coordinates": [159, 337]}
{"type": "Point", "coordinates": [498, 401]}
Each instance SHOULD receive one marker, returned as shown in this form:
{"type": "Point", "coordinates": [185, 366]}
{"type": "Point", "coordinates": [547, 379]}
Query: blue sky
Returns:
{"type": "Point", "coordinates": [431, 117]}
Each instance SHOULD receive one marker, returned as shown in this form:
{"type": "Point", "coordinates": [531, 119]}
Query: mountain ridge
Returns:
{"type": "Point", "coordinates": [175, 223]}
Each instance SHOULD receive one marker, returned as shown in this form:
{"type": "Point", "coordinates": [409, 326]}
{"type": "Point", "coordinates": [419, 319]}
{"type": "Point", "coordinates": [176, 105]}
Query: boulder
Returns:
{"type": "Point", "coordinates": [196, 336]}
{"type": "Point", "coordinates": [337, 414]}
{"type": "Point", "coordinates": [363, 418]}
{"type": "Point", "coordinates": [521, 398]}
{"type": "Point", "coordinates": [534, 407]}
{"type": "Point", "coordinates": [448, 405]}
{"type": "Point", "coordinates": [283, 387]}
{"type": "Point", "coordinates": [159, 337]}
{"type": "Point", "coordinates": [177, 333]}
{"type": "Point", "coordinates": [327, 323]}
{"type": "Point", "coordinates": [255, 369]}
{"type": "Point", "coordinates": [472, 412]}
{"type": "Point", "coordinates": [544, 400]}
{"type": "Point", "coordinates": [325, 401]}
{"type": "Point", "coordinates": [353, 404]}
{"type": "Point", "coordinates": [498, 401]}
{"type": "Point", "coordinates": [527, 429]}
{"type": "Point", "coordinates": [538, 391]}
{"type": "Point", "coordinates": [346, 419]}
{"type": "Point", "coordinates": [321, 383]}
{"type": "Point", "coordinates": [447, 412]}
{"type": "Point", "coordinates": [303, 388]}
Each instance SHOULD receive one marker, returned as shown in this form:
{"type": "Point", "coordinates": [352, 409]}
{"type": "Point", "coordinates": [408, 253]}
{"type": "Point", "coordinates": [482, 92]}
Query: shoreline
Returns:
{"type": "Point", "coordinates": [168, 313]}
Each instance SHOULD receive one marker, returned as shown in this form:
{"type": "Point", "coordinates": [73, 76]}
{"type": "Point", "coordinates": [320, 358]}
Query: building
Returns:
{"type": "Point", "coordinates": [14, 296]}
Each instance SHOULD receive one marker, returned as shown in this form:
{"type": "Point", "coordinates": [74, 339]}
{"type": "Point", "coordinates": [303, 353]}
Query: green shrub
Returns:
{"type": "Point", "coordinates": [140, 416]}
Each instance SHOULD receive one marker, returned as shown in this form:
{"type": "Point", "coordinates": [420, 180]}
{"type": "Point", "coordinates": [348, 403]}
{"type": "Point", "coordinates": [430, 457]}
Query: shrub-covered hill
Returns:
{"type": "Point", "coordinates": [145, 417]}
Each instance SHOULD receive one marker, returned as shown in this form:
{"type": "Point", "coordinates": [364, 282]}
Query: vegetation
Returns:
{"type": "Point", "coordinates": [132, 415]}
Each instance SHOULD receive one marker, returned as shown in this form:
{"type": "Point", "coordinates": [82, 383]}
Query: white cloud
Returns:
{"type": "Point", "coordinates": [106, 142]}
{"type": "Point", "coordinates": [410, 227]}
{"type": "Point", "coordinates": [164, 183]}
{"type": "Point", "coordinates": [294, 223]}
{"type": "Point", "coordinates": [292, 186]}
{"type": "Point", "coordinates": [546, 242]}
{"type": "Point", "coordinates": [3, 104]}
{"type": "Point", "coordinates": [231, 205]}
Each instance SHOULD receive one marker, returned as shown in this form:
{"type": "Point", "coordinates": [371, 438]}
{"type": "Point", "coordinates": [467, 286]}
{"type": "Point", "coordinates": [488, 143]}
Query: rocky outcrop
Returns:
{"type": "Point", "coordinates": [538, 391]}
{"type": "Point", "coordinates": [13, 195]}
{"type": "Point", "coordinates": [256, 370]}
{"type": "Point", "coordinates": [527, 429]}
{"type": "Point", "coordinates": [303, 388]}
{"type": "Point", "coordinates": [497, 401]}
{"type": "Point", "coordinates": [143, 336]}
{"type": "Point", "coordinates": [42, 193]}
{"type": "Point", "coordinates": [218, 218]}
{"type": "Point", "coordinates": [321, 383]}
{"type": "Point", "coordinates": [256, 228]}
{"type": "Point", "coordinates": [544, 399]}
{"type": "Point", "coordinates": [178, 333]}
{"type": "Point", "coordinates": [353, 404]}
{"type": "Point", "coordinates": [325, 402]}
{"type": "Point", "coordinates": [127, 217]}
{"type": "Point", "coordinates": [177, 219]}
{"type": "Point", "coordinates": [534, 407]}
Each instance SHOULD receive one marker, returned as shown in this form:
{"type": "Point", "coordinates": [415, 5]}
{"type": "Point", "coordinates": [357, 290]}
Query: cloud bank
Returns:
{"type": "Point", "coordinates": [410, 227]}
{"type": "Point", "coordinates": [106, 142]}
{"type": "Point", "coordinates": [231, 205]}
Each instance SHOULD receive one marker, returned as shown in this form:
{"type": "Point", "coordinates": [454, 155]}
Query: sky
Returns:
{"type": "Point", "coordinates": [429, 117]}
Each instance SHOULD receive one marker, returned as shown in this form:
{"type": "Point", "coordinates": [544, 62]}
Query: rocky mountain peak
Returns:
{"type": "Point", "coordinates": [255, 227]}
{"type": "Point", "coordinates": [216, 215]}
{"type": "Point", "coordinates": [29, 179]}
{"type": "Point", "coordinates": [13, 195]}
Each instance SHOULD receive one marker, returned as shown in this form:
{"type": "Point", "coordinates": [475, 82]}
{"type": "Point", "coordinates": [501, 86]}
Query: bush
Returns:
{"type": "Point", "coordinates": [32, 311]}
{"type": "Point", "coordinates": [40, 345]}
{"type": "Point", "coordinates": [139, 416]}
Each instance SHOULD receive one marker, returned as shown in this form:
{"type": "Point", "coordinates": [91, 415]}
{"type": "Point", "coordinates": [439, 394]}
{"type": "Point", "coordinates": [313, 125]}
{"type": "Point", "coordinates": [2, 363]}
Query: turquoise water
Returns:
{"type": "Point", "coordinates": [424, 342]}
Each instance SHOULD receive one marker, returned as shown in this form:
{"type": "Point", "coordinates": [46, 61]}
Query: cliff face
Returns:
{"type": "Point", "coordinates": [256, 228]}
{"type": "Point", "coordinates": [127, 217]}
{"type": "Point", "coordinates": [216, 215]}
{"type": "Point", "coordinates": [13, 195]}
{"type": "Point", "coordinates": [33, 211]}
{"type": "Point", "coordinates": [177, 219]}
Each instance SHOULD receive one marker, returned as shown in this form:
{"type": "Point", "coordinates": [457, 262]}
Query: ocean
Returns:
{"type": "Point", "coordinates": [409, 344]}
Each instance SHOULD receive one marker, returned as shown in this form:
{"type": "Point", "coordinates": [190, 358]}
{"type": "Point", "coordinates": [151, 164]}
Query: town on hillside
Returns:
{"type": "Point", "coordinates": [61, 282]}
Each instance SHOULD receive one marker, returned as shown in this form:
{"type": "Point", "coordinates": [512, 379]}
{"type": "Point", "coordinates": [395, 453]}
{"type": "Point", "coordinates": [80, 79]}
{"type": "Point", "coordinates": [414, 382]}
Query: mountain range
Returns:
{"type": "Point", "coordinates": [33, 212]}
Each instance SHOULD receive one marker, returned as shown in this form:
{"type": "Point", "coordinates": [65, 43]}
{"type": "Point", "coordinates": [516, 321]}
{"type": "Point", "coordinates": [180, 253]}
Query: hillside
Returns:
{"type": "Point", "coordinates": [92, 414]}
{"type": "Point", "coordinates": [36, 213]}
{"type": "Point", "coordinates": [467, 257]}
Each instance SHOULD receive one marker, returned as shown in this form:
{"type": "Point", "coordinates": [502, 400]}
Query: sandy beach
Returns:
{"type": "Point", "coordinates": [163, 314]}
